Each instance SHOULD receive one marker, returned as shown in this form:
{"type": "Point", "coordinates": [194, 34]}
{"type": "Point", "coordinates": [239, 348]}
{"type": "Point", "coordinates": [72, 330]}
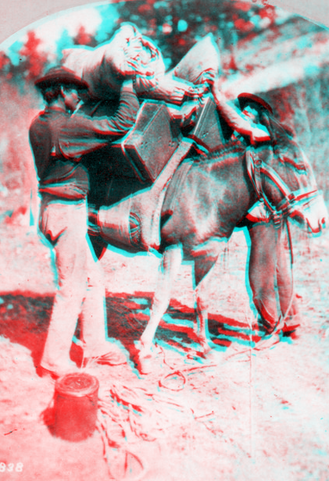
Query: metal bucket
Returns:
{"type": "Point", "coordinates": [75, 406]}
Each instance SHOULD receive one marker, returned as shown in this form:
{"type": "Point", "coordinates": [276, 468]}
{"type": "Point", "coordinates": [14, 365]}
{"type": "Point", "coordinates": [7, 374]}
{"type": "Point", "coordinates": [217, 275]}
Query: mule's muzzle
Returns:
{"type": "Point", "coordinates": [322, 224]}
{"type": "Point", "coordinates": [314, 214]}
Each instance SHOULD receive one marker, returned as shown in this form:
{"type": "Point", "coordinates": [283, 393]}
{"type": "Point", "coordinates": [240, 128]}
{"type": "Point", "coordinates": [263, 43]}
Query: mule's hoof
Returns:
{"type": "Point", "coordinates": [267, 342]}
{"type": "Point", "coordinates": [267, 329]}
{"type": "Point", "coordinates": [214, 355]}
{"type": "Point", "coordinates": [289, 330]}
{"type": "Point", "coordinates": [145, 359]}
{"type": "Point", "coordinates": [145, 364]}
{"type": "Point", "coordinates": [207, 347]}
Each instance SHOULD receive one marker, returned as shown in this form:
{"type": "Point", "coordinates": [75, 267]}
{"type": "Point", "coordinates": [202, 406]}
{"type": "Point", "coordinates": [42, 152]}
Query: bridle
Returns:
{"type": "Point", "coordinates": [257, 170]}
{"type": "Point", "coordinates": [292, 200]}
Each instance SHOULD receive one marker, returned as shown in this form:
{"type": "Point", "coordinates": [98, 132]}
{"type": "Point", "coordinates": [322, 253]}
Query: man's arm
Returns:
{"type": "Point", "coordinates": [237, 121]}
{"type": "Point", "coordinates": [82, 134]}
{"type": "Point", "coordinates": [40, 141]}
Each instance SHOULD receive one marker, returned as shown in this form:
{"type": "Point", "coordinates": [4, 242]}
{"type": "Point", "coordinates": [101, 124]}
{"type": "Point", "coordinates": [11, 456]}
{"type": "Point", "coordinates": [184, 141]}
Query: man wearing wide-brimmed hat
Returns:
{"type": "Point", "coordinates": [270, 269]}
{"type": "Point", "coordinates": [64, 186]}
{"type": "Point", "coordinates": [247, 99]}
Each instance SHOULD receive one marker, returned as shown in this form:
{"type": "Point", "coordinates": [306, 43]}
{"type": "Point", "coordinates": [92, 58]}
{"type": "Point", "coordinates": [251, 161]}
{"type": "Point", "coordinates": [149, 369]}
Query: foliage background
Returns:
{"type": "Point", "coordinates": [250, 38]}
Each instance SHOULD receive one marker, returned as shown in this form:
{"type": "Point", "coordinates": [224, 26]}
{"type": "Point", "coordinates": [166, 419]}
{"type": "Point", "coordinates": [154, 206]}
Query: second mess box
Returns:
{"type": "Point", "coordinates": [150, 144]}
{"type": "Point", "coordinates": [145, 151]}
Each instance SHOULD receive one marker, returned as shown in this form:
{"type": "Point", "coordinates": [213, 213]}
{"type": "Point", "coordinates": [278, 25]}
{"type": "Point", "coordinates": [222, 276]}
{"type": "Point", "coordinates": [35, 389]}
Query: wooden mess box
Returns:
{"type": "Point", "coordinates": [148, 147]}
{"type": "Point", "coordinates": [211, 131]}
{"type": "Point", "coordinates": [150, 144]}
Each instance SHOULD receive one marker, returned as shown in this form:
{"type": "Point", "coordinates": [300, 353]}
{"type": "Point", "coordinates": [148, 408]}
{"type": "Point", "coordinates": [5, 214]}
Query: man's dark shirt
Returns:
{"type": "Point", "coordinates": [59, 141]}
{"type": "Point", "coordinates": [57, 175]}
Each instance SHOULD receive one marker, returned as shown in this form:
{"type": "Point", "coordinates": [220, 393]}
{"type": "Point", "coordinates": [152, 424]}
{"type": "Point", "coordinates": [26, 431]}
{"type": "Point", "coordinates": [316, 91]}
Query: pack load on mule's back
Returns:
{"type": "Point", "coordinates": [133, 223]}
{"type": "Point", "coordinates": [129, 54]}
{"type": "Point", "coordinates": [156, 136]}
{"type": "Point", "coordinates": [151, 152]}
{"type": "Point", "coordinates": [150, 145]}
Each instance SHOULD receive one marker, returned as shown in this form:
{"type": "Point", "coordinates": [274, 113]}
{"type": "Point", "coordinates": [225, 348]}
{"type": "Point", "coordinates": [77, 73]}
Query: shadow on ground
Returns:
{"type": "Point", "coordinates": [24, 319]}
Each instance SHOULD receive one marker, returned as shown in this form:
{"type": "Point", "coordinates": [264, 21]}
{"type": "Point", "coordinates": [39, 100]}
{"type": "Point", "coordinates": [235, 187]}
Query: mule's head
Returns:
{"type": "Point", "coordinates": [307, 208]}
{"type": "Point", "coordinates": [291, 187]}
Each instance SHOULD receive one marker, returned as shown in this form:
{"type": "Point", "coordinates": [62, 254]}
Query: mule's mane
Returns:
{"type": "Point", "coordinates": [287, 151]}
{"type": "Point", "coordinates": [290, 154]}
{"type": "Point", "coordinates": [232, 148]}
{"type": "Point", "coordinates": [284, 142]}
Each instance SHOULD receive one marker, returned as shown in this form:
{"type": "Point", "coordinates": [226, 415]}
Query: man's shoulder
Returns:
{"type": "Point", "coordinates": [37, 118]}
{"type": "Point", "coordinates": [48, 119]}
{"type": "Point", "coordinates": [36, 123]}
{"type": "Point", "coordinates": [42, 117]}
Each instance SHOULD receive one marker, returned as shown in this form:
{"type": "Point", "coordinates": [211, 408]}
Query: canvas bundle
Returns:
{"type": "Point", "coordinates": [127, 55]}
{"type": "Point", "coordinates": [131, 55]}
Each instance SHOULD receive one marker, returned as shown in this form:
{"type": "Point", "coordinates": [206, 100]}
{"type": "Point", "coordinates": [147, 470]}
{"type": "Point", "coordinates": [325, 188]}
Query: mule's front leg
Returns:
{"type": "Point", "coordinates": [202, 331]}
{"type": "Point", "coordinates": [171, 262]}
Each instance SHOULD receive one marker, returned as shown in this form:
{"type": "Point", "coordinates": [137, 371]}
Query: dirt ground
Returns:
{"type": "Point", "coordinates": [239, 415]}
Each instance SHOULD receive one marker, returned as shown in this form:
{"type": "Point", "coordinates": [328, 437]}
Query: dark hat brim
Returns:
{"type": "Point", "coordinates": [62, 76]}
{"type": "Point", "coordinates": [246, 97]}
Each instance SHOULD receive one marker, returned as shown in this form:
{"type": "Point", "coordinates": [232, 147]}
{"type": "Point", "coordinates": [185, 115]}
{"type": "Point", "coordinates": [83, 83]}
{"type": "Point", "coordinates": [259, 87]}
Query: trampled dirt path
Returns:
{"type": "Point", "coordinates": [241, 415]}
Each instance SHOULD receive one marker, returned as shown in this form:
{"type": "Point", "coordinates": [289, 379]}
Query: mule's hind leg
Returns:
{"type": "Point", "coordinates": [201, 276]}
{"type": "Point", "coordinates": [171, 262]}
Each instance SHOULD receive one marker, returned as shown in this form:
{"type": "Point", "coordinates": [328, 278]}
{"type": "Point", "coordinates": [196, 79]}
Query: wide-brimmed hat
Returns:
{"type": "Point", "coordinates": [245, 97]}
{"type": "Point", "coordinates": [60, 75]}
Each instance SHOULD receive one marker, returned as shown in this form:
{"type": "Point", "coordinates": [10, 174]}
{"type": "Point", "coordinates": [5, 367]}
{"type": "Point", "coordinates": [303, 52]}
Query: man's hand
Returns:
{"type": "Point", "coordinates": [258, 135]}
{"type": "Point", "coordinates": [215, 91]}
{"type": "Point", "coordinates": [196, 92]}
{"type": "Point", "coordinates": [186, 114]}
{"type": "Point", "coordinates": [236, 120]}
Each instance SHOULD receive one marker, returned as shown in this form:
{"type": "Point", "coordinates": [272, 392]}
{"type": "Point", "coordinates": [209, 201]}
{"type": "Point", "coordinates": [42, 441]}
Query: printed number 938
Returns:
{"type": "Point", "coordinates": [11, 467]}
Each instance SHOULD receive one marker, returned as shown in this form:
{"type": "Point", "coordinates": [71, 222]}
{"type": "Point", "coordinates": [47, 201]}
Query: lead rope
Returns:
{"type": "Point", "coordinates": [282, 318]}
{"type": "Point", "coordinates": [123, 395]}
{"type": "Point", "coordinates": [292, 272]}
{"type": "Point", "coordinates": [179, 373]}
{"type": "Point", "coordinates": [107, 443]}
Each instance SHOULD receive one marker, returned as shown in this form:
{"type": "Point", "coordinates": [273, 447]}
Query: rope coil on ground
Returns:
{"type": "Point", "coordinates": [107, 444]}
